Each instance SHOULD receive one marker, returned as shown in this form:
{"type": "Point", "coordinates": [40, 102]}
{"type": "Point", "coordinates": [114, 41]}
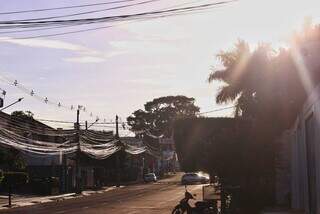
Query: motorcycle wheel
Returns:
{"type": "Point", "coordinates": [177, 210]}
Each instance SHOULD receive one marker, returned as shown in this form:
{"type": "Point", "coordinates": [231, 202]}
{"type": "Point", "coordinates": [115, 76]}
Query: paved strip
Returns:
{"type": "Point", "coordinates": [149, 198]}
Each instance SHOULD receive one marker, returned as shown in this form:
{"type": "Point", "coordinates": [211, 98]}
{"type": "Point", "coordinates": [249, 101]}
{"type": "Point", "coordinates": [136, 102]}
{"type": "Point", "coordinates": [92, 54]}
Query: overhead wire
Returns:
{"type": "Point", "coordinates": [85, 13]}
{"type": "Point", "coordinates": [100, 28]}
{"type": "Point", "coordinates": [77, 31]}
{"type": "Point", "coordinates": [215, 110]}
{"type": "Point", "coordinates": [107, 18]}
{"type": "Point", "coordinates": [64, 7]}
{"type": "Point", "coordinates": [44, 99]}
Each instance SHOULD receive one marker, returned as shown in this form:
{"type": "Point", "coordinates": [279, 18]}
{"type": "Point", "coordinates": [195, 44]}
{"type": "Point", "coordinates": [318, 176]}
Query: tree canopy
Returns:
{"type": "Point", "coordinates": [268, 89]}
{"type": "Point", "coordinates": [158, 115]}
{"type": "Point", "coordinates": [11, 159]}
{"type": "Point", "coordinates": [26, 116]}
{"type": "Point", "coordinates": [267, 85]}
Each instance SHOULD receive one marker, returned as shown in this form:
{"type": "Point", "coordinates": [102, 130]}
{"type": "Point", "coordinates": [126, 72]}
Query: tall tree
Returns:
{"type": "Point", "coordinates": [11, 159]}
{"type": "Point", "coordinates": [159, 114]}
{"type": "Point", "coordinates": [244, 73]}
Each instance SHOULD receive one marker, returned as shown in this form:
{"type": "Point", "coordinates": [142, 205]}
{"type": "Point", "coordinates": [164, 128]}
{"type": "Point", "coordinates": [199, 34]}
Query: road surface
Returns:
{"type": "Point", "coordinates": [158, 197]}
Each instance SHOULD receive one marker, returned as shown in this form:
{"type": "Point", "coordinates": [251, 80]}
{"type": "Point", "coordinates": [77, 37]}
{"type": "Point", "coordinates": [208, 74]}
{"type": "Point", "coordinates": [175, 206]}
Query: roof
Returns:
{"type": "Point", "coordinates": [37, 123]}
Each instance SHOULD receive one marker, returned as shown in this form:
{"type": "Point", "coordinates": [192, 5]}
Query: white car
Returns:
{"type": "Point", "coordinates": [150, 177]}
{"type": "Point", "coordinates": [193, 178]}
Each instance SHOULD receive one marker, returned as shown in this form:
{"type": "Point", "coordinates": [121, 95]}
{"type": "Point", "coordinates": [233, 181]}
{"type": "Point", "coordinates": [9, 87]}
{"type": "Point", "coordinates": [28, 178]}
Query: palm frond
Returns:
{"type": "Point", "coordinates": [219, 75]}
{"type": "Point", "coordinates": [227, 94]}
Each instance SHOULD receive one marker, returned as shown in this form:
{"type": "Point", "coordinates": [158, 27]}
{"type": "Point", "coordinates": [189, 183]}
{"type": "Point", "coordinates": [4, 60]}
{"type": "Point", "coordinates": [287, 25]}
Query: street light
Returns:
{"type": "Point", "coordinates": [93, 123]}
{"type": "Point", "coordinates": [19, 100]}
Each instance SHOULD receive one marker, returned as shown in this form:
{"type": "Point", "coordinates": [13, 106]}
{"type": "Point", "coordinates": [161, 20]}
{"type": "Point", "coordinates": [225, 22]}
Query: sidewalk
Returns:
{"type": "Point", "coordinates": [20, 201]}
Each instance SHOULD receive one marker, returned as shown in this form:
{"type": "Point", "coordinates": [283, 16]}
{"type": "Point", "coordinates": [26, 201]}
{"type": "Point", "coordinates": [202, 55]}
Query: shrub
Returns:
{"type": "Point", "coordinates": [15, 178]}
{"type": "Point", "coordinates": [44, 185]}
{"type": "Point", "coordinates": [1, 176]}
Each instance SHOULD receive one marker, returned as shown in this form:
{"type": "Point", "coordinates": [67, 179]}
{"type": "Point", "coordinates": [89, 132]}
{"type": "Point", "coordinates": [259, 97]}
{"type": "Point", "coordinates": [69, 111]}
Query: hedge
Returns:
{"type": "Point", "coordinates": [1, 176]}
{"type": "Point", "coordinates": [15, 178]}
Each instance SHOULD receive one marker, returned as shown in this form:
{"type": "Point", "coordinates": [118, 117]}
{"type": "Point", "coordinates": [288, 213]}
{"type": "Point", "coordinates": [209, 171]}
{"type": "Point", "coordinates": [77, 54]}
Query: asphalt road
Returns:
{"type": "Point", "coordinates": [158, 197]}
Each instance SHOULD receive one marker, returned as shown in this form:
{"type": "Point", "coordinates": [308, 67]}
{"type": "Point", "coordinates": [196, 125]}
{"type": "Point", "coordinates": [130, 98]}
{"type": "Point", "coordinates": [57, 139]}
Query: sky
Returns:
{"type": "Point", "coordinates": [118, 69]}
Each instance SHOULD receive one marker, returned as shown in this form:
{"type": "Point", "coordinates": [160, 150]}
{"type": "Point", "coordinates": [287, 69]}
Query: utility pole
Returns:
{"type": "Point", "coordinates": [117, 127]}
{"type": "Point", "coordinates": [86, 125]}
{"type": "Point", "coordinates": [117, 155]}
{"type": "Point", "coordinates": [77, 126]}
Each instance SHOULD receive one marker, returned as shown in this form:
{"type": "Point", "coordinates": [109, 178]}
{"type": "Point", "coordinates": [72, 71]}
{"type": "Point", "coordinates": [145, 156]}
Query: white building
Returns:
{"type": "Point", "coordinates": [305, 162]}
{"type": "Point", "coordinates": [305, 140]}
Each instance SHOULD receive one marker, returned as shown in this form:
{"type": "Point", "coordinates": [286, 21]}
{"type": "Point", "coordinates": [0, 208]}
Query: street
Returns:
{"type": "Point", "coordinates": [158, 197]}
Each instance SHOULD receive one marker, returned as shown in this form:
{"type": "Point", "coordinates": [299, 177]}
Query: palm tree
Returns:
{"type": "Point", "coordinates": [244, 73]}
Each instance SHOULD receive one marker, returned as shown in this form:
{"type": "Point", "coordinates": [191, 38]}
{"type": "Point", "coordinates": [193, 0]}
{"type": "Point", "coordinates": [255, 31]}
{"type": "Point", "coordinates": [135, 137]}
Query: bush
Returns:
{"type": "Point", "coordinates": [45, 186]}
{"type": "Point", "coordinates": [1, 176]}
{"type": "Point", "coordinates": [15, 178]}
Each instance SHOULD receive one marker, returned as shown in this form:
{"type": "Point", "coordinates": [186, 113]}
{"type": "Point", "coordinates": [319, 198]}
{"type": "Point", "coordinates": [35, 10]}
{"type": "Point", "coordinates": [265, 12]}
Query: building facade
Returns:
{"type": "Point", "coordinates": [305, 161]}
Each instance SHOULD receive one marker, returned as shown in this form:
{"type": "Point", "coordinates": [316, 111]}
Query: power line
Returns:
{"type": "Point", "coordinates": [55, 121]}
{"type": "Point", "coordinates": [78, 31]}
{"type": "Point", "coordinates": [63, 121]}
{"type": "Point", "coordinates": [63, 8]}
{"type": "Point", "coordinates": [64, 33]}
{"type": "Point", "coordinates": [215, 110]}
{"type": "Point", "coordinates": [19, 24]}
{"type": "Point", "coordinates": [85, 13]}
{"type": "Point", "coordinates": [32, 93]}
{"type": "Point", "coordinates": [39, 27]}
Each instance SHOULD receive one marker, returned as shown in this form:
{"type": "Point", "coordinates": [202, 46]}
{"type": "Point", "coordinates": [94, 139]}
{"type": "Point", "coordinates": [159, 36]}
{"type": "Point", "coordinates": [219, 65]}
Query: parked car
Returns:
{"type": "Point", "coordinates": [150, 177]}
{"type": "Point", "coordinates": [193, 178]}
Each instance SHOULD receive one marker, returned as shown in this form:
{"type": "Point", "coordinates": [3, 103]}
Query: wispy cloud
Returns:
{"type": "Point", "coordinates": [85, 54]}
{"type": "Point", "coordinates": [144, 47]}
{"type": "Point", "coordinates": [44, 43]}
{"type": "Point", "coordinates": [85, 59]}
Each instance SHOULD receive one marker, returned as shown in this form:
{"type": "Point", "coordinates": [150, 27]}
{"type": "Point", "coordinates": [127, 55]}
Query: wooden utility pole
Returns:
{"type": "Point", "coordinates": [77, 126]}
{"type": "Point", "coordinates": [117, 127]}
{"type": "Point", "coordinates": [117, 154]}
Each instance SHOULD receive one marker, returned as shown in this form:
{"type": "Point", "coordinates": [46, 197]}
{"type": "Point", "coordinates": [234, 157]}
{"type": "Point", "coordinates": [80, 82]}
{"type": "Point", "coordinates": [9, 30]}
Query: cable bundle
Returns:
{"type": "Point", "coordinates": [55, 22]}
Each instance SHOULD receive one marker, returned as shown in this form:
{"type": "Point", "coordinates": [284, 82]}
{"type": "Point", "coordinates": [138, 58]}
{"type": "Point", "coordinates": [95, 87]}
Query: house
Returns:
{"type": "Point", "coordinates": [61, 167]}
{"type": "Point", "coordinates": [305, 137]}
{"type": "Point", "coordinates": [305, 161]}
{"type": "Point", "coordinates": [41, 167]}
{"type": "Point", "coordinates": [169, 160]}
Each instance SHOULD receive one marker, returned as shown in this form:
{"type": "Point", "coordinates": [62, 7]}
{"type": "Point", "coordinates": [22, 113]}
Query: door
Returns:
{"type": "Point", "coordinates": [311, 163]}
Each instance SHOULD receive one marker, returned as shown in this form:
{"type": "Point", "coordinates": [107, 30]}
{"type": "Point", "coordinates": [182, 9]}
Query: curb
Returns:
{"type": "Point", "coordinates": [47, 199]}
{"type": "Point", "coordinates": [56, 198]}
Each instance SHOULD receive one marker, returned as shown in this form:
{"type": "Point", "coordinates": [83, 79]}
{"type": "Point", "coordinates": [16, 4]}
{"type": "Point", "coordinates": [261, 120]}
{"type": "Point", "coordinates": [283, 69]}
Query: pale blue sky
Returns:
{"type": "Point", "coordinates": [116, 70]}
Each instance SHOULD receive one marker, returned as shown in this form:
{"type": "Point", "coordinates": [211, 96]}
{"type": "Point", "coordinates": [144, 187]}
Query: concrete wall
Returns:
{"type": "Point", "coordinates": [283, 171]}
{"type": "Point", "coordinates": [300, 198]}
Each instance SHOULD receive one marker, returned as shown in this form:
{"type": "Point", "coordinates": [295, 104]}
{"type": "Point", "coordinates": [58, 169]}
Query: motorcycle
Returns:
{"type": "Point", "coordinates": [201, 207]}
